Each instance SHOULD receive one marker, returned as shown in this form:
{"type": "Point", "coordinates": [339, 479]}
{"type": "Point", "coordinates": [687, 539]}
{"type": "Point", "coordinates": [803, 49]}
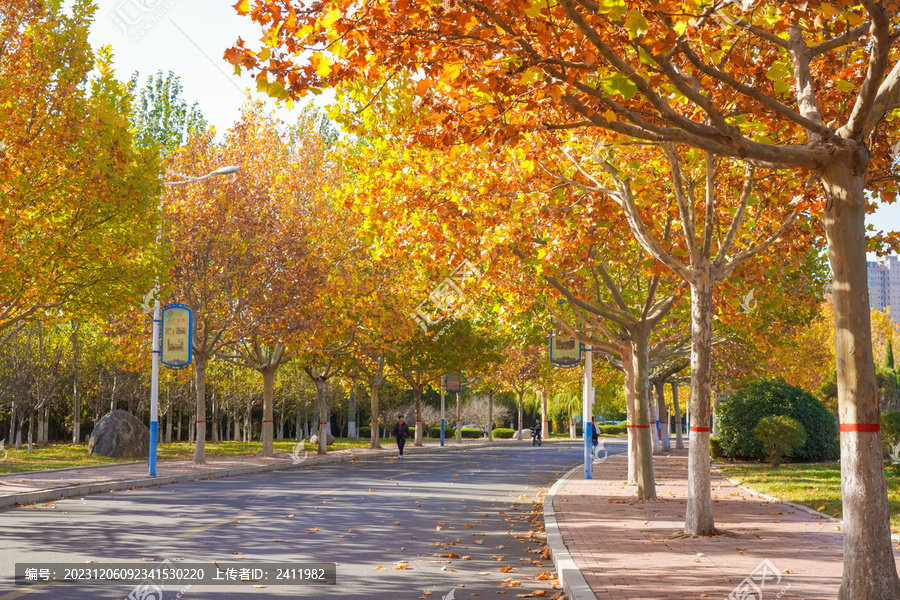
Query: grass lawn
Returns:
{"type": "Point", "coordinates": [813, 485]}
{"type": "Point", "coordinates": [59, 456]}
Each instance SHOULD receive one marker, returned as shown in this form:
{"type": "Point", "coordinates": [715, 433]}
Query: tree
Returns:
{"type": "Point", "coordinates": [160, 114]}
{"type": "Point", "coordinates": [889, 354]}
{"type": "Point", "coordinates": [818, 95]}
{"type": "Point", "coordinates": [241, 250]}
{"type": "Point", "coordinates": [76, 195]}
{"type": "Point", "coordinates": [520, 372]}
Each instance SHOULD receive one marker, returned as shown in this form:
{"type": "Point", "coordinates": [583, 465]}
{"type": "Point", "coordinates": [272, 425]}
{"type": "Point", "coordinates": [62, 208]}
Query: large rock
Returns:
{"type": "Point", "coordinates": [120, 434]}
{"type": "Point", "coordinates": [329, 439]}
{"type": "Point", "coordinates": [526, 434]}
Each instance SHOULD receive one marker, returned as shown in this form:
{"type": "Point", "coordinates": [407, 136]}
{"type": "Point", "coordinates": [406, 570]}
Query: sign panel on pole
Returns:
{"type": "Point", "coordinates": [177, 334]}
{"type": "Point", "coordinates": [454, 384]}
{"type": "Point", "coordinates": [565, 351]}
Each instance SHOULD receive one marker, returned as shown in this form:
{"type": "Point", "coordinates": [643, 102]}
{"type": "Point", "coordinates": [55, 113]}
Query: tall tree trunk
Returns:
{"type": "Point", "coordinates": [76, 385]}
{"type": "Point", "coordinates": [521, 413]}
{"type": "Point", "coordinates": [640, 343]}
{"type": "Point", "coordinates": [200, 387]}
{"type": "Point", "coordinates": [458, 422]}
{"type": "Point", "coordinates": [214, 415]}
{"type": "Point", "coordinates": [679, 440]}
{"type": "Point", "coordinates": [545, 421]}
{"type": "Point", "coordinates": [322, 411]}
{"type": "Point", "coordinates": [351, 412]}
{"type": "Point", "coordinates": [630, 413]}
{"type": "Point", "coordinates": [13, 413]}
{"type": "Point", "coordinates": [168, 415]}
{"type": "Point", "coordinates": [267, 431]}
{"type": "Point", "coordinates": [654, 431]}
{"type": "Point", "coordinates": [699, 514]}
{"type": "Point", "coordinates": [30, 430]}
{"type": "Point", "coordinates": [375, 439]}
{"type": "Point", "coordinates": [663, 412]}
{"type": "Point", "coordinates": [869, 569]}
{"type": "Point", "coordinates": [236, 407]}
{"type": "Point", "coordinates": [491, 416]}
{"type": "Point", "coordinates": [417, 401]}
{"type": "Point", "coordinates": [572, 431]}
{"type": "Point", "coordinates": [180, 422]}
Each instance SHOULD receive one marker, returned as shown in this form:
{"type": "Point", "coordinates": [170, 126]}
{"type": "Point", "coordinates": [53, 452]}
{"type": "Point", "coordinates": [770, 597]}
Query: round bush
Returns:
{"type": "Point", "coordinates": [503, 434]}
{"type": "Point", "coordinates": [621, 423]}
{"type": "Point", "coordinates": [469, 433]}
{"type": "Point", "coordinates": [365, 432]}
{"type": "Point", "coordinates": [449, 432]}
{"type": "Point", "coordinates": [612, 429]}
{"type": "Point", "coordinates": [779, 435]}
{"type": "Point", "coordinates": [770, 397]}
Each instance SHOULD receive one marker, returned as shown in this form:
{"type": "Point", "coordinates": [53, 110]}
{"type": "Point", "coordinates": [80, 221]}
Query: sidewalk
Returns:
{"type": "Point", "coordinates": [635, 550]}
{"type": "Point", "coordinates": [40, 486]}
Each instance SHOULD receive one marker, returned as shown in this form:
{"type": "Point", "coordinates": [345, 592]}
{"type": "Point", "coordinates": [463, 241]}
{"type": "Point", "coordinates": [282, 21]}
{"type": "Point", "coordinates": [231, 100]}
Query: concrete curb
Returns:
{"type": "Point", "coordinates": [122, 484]}
{"type": "Point", "coordinates": [570, 577]}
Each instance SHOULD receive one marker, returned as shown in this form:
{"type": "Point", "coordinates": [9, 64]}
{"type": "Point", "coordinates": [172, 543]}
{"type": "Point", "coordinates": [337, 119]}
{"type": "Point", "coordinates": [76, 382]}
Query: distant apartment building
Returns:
{"type": "Point", "coordinates": [884, 283]}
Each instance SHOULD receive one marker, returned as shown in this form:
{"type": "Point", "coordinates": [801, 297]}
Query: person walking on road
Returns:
{"type": "Point", "coordinates": [401, 432]}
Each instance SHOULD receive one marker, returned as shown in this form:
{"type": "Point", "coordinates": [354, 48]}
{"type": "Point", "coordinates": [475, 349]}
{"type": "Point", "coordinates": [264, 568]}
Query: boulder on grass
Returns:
{"type": "Point", "coordinates": [526, 433]}
{"type": "Point", "coordinates": [120, 434]}
{"type": "Point", "coordinates": [329, 439]}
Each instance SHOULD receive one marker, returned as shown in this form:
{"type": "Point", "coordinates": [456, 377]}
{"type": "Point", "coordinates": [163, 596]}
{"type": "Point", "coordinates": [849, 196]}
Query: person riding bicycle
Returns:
{"type": "Point", "coordinates": [595, 434]}
{"type": "Point", "coordinates": [536, 431]}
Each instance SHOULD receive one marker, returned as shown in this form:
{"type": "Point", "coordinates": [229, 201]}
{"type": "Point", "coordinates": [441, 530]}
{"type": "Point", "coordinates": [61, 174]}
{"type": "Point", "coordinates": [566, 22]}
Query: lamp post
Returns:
{"type": "Point", "coordinates": [157, 319]}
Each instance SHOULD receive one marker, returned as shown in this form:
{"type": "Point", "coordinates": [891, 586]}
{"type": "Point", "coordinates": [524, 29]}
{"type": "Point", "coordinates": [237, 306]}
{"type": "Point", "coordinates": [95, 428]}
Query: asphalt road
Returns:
{"type": "Point", "coordinates": [385, 523]}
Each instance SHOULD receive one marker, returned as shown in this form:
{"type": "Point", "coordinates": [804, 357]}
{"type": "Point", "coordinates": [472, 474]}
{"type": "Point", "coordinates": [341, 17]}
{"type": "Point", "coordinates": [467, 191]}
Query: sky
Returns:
{"type": "Point", "coordinates": [189, 38]}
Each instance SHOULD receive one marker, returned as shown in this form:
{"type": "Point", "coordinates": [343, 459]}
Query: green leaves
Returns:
{"type": "Point", "coordinates": [636, 24]}
{"type": "Point", "coordinates": [614, 8]}
{"type": "Point", "coordinates": [781, 74]}
{"type": "Point", "coordinates": [618, 84]}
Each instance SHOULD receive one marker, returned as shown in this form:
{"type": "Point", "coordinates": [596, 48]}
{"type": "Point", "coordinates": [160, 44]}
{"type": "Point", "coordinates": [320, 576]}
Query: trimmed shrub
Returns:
{"type": "Point", "coordinates": [738, 417]}
{"type": "Point", "coordinates": [622, 424]}
{"type": "Point", "coordinates": [435, 432]}
{"type": "Point", "coordinates": [779, 435]}
{"type": "Point", "coordinates": [365, 432]}
{"type": "Point", "coordinates": [469, 433]}
{"type": "Point", "coordinates": [503, 433]}
{"type": "Point", "coordinates": [612, 429]}
{"type": "Point", "coordinates": [715, 447]}
{"type": "Point", "coordinates": [579, 432]}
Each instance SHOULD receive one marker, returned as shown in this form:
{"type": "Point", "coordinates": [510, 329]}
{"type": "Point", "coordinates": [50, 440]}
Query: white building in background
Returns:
{"type": "Point", "coordinates": [884, 283]}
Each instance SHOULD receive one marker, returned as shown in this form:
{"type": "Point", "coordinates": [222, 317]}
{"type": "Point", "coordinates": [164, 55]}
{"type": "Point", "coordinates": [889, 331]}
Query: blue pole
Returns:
{"type": "Point", "coordinates": [587, 414]}
{"type": "Point", "coordinates": [154, 391]}
{"type": "Point", "coordinates": [443, 387]}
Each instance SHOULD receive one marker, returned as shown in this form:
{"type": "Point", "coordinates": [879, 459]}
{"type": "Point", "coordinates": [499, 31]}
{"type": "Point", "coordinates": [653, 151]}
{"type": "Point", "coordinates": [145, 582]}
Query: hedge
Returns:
{"type": "Point", "coordinates": [503, 434]}
{"type": "Point", "coordinates": [472, 433]}
{"type": "Point", "coordinates": [365, 432]}
{"type": "Point", "coordinates": [715, 447]}
{"type": "Point", "coordinates": [769, 397]}
{"type": "Point", "coordinates": [435, 432]}
{"type": "Point", "coordinates": [612, 429]}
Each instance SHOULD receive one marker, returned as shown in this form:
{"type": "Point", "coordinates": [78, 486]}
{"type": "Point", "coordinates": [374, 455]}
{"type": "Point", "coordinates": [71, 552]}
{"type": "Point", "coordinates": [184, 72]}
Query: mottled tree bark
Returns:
{"type": "Point", "coordinates": [869, 569]}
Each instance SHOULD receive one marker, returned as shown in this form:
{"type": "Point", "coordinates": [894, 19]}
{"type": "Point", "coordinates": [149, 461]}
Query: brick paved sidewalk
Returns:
{"type": "Point", "coordinates": [634, 550]}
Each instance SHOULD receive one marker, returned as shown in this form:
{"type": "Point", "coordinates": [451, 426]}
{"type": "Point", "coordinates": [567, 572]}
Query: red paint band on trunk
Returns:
{"type": "Point", "coordinates": [264, 421]}
{"type": "Point", "coordinates": [638, 426]}
{"type": "Point", "coordinates": [864, 427]}
{"type": "Point", "coordinates": [699, 429]}
{"type": "Point", "coordinates": [201, 421]}
{"type": "Point", "coordinates": [323, 422]}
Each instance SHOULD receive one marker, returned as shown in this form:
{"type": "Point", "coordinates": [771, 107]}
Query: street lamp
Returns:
{"type": "Point", "coordinates": [157, 320]}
